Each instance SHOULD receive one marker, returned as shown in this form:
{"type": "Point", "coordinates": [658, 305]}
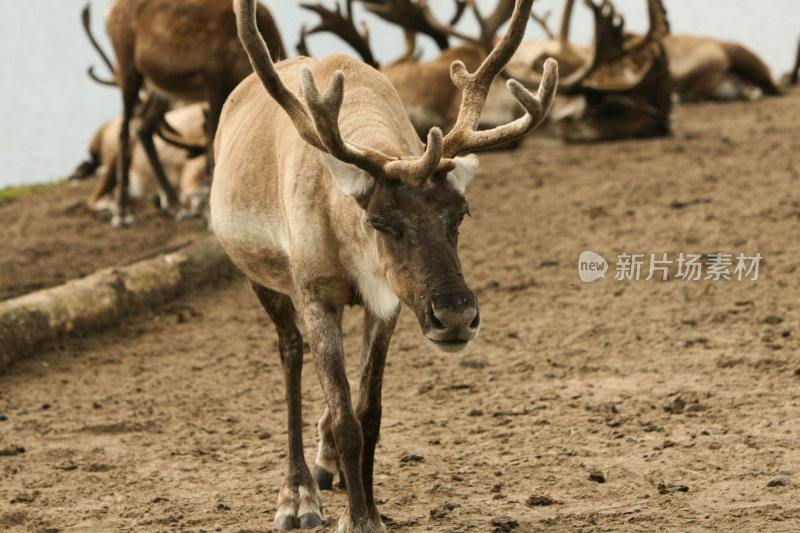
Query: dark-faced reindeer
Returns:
{"type": "Point", "coordinates": [187, 50]}
{"type": "Point", "coordinates": [328, 199]}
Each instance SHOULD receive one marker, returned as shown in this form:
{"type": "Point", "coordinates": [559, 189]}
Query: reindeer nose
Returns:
{"type": "Point", "coordinates": [454, 316]}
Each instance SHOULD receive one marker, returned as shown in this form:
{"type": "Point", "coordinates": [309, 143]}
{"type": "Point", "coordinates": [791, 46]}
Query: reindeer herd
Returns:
{"type": "Point", "coordinates": [341, 182]}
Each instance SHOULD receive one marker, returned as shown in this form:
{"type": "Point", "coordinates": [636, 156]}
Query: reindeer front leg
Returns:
{"type": "Point", "coordinates": [374, 346]}
{"type": "Point", "coordinates": [323, 324]}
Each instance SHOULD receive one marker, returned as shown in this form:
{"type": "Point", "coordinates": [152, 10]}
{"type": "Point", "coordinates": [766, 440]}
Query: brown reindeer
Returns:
{"type": "Point", "coordinates": [186, 50]}
{"type": "Point", "coordinates": [703, 68]}
{"type": "Point", "coordinates": [330, 199]}
{"type": "Point", "coordinates": [623, 90]}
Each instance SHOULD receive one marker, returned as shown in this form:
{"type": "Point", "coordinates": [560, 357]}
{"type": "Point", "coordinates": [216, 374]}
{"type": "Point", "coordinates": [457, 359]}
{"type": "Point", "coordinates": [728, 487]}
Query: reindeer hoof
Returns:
{"type": "Point", "coordinates": [309, 520]}
{"type": "Point", "coordinates": [185, 214]}
{"type": "Point", "coordinates": [284, 523]}
{"type": "Point", "coordinates": [323, 478]}
{"type": "Point", "coordinates": [127, 221]}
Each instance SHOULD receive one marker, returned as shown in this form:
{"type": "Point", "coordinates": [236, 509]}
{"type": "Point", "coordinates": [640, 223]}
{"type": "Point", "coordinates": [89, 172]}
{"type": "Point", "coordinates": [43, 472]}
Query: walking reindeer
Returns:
{"type": "Point", "coordinates": [329, 199]}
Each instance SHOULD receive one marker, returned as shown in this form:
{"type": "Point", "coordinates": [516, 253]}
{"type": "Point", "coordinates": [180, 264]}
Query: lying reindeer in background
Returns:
{"type": "Point", "coordinates": [327, 199]}
{"type": "Point", "coordinates": [703, 68]}
{"type": "Point", "coordinates": [621, 88]}
{"type": "Point", "coordinates": [184, 164]}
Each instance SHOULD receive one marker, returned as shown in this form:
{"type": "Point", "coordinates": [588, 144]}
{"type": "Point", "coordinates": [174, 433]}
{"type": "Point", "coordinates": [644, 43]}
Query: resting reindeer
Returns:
{"type": "Point", "coordinates": [620, 89]}
{"type": "Point", "coordinates": [330, 200]}
{"type": "Point", "coordinates": [703, 68]}
{"type": "Point", "coordinates": [185, 168]}
{"type": "Point", "coordinates": [623, 89]}
{"type": "Point", "coordinates": [186, 50]}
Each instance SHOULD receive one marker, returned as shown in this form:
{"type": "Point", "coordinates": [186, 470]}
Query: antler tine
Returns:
{"type": "Point", "coordinates": [301, 46]}
{"type": "Point", "coordinates": [343, 26]}
{"type": "Point", "coordinates": [607, 47]}
{"type": "Point", "coordinates": [659, 25]}
{"type": "Point", "coordinates": [541, 20]}
{"type": "Point", "coordinates": [489, 25]}
{"type": "Point", "coordinates": [411, 53]}
{"type": "Point", "coordinates": [87, 26]}
{"type": "Point", "coordinates": [263, 66]}
{"type": "Point", "coordinates": [464, 137]}
{"type": "Point", "coordinates": [90, 71]}
{"type": "Point", "coordinates": [412, 15]}
{"type": "Point", "coordinates": [324, 110]}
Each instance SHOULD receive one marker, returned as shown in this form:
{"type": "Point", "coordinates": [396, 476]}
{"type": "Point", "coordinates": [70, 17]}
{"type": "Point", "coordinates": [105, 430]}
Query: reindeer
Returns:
{"type": "Point", "coordinates": [330, 199]}
{"type": "Point", "coordinates": [623, 90]}
{"type": "Point", "coordinates": [186, 50]}
{"type": "Point", "coordinates": [703, 68]}
{"type": "Point", "coordinates": [183, 163]}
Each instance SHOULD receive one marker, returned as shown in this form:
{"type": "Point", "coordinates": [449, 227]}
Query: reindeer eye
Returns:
{"type": "Point", "coordinates": [383, 227]}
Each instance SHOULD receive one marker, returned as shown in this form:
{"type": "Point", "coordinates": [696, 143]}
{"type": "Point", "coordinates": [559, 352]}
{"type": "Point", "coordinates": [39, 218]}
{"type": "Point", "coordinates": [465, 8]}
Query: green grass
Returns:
{"type": "Point", "coordinates": [10, 193]}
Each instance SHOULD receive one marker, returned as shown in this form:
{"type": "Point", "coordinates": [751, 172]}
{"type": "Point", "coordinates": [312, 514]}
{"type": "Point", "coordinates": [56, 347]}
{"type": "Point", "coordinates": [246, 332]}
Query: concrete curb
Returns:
{"type": "Point", "coordinates": [104, 297]}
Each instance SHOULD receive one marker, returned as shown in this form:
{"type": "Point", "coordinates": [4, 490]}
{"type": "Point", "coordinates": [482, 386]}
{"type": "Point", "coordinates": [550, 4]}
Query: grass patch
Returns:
{"type": "Point", "coordinates": [12, 193]}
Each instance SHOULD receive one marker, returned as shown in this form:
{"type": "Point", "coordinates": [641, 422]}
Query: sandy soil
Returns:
{"type": "Point", "coordinates": [50, 237]}
{"type": "Point", "coordinates": [682, 397]}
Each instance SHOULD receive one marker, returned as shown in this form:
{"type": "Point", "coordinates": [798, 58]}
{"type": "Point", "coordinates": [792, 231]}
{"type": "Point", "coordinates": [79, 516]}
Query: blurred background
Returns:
{"type": "Point", "coordinates": [49, 107]}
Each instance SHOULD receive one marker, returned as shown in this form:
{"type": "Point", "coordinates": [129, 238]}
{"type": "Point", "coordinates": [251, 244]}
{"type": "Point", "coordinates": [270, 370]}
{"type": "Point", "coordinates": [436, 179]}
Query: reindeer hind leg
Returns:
{"type": "Point", "coordinates": [299, 500]}
{"type": "Point", "coordinates": [326, 464]}
{"type": "Point", "coordinates": [154, 109]}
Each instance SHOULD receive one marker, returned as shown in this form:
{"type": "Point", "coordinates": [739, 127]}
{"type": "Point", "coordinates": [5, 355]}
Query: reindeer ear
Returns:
{"type": "Point", "coordinates": [465, 169]}
{"type": "Point", "coordinates": [352, 180]}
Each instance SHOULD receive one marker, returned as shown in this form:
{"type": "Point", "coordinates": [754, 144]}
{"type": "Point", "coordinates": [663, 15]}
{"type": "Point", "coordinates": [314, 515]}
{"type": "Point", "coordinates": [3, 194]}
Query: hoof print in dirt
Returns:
{"type": "Point", "coordinates": [503, 524]}
{"type": "Point", "coordinates": [597, 476]}
{"type": "Point", "coordinates": [443, 511]}
{"type": "Point", "coordinates": [11, 450]}
{"type": "Point", "coordinates": [540, 500]}
{"type": "Point", "coordinates": [779, 481]}
{"type": "Point", "coordinates": [411, 458]}
{"type": "Point", "coordinates": [666, 489]}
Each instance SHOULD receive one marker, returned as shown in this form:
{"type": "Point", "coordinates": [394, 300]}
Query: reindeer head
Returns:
{"type": "Point", "coordinates": [413, 203]}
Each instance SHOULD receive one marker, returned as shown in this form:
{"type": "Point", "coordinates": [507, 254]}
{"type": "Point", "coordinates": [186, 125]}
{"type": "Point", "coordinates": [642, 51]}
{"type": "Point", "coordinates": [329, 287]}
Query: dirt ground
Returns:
{"type": "Point", "coordinates": [50, 236]}
{"type": "Point", "coordinates": [606, 406]}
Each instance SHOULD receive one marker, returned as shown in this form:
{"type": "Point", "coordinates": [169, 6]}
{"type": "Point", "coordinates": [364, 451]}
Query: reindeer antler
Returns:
{"type": "Point", "coordinates": [464, 136]}
{"type": "Point", "coordinates": [320, 129]}
{"type": "Point", "coordinates": [541, 20]}
{"type": "Point", "coordinates": [87, 26]}
{"type": "Point", "coordinates": [318, 124]}
{"type": "Point", "coordinates": [489, 25]}
{"type": "Point", "coordinates": [341, 24]}
{"type": "Point", "coordinates": [417, 17]}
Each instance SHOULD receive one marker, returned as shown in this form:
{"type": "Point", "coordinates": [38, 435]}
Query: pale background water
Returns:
{"type": "Point", "coordinates": [49, 107]}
